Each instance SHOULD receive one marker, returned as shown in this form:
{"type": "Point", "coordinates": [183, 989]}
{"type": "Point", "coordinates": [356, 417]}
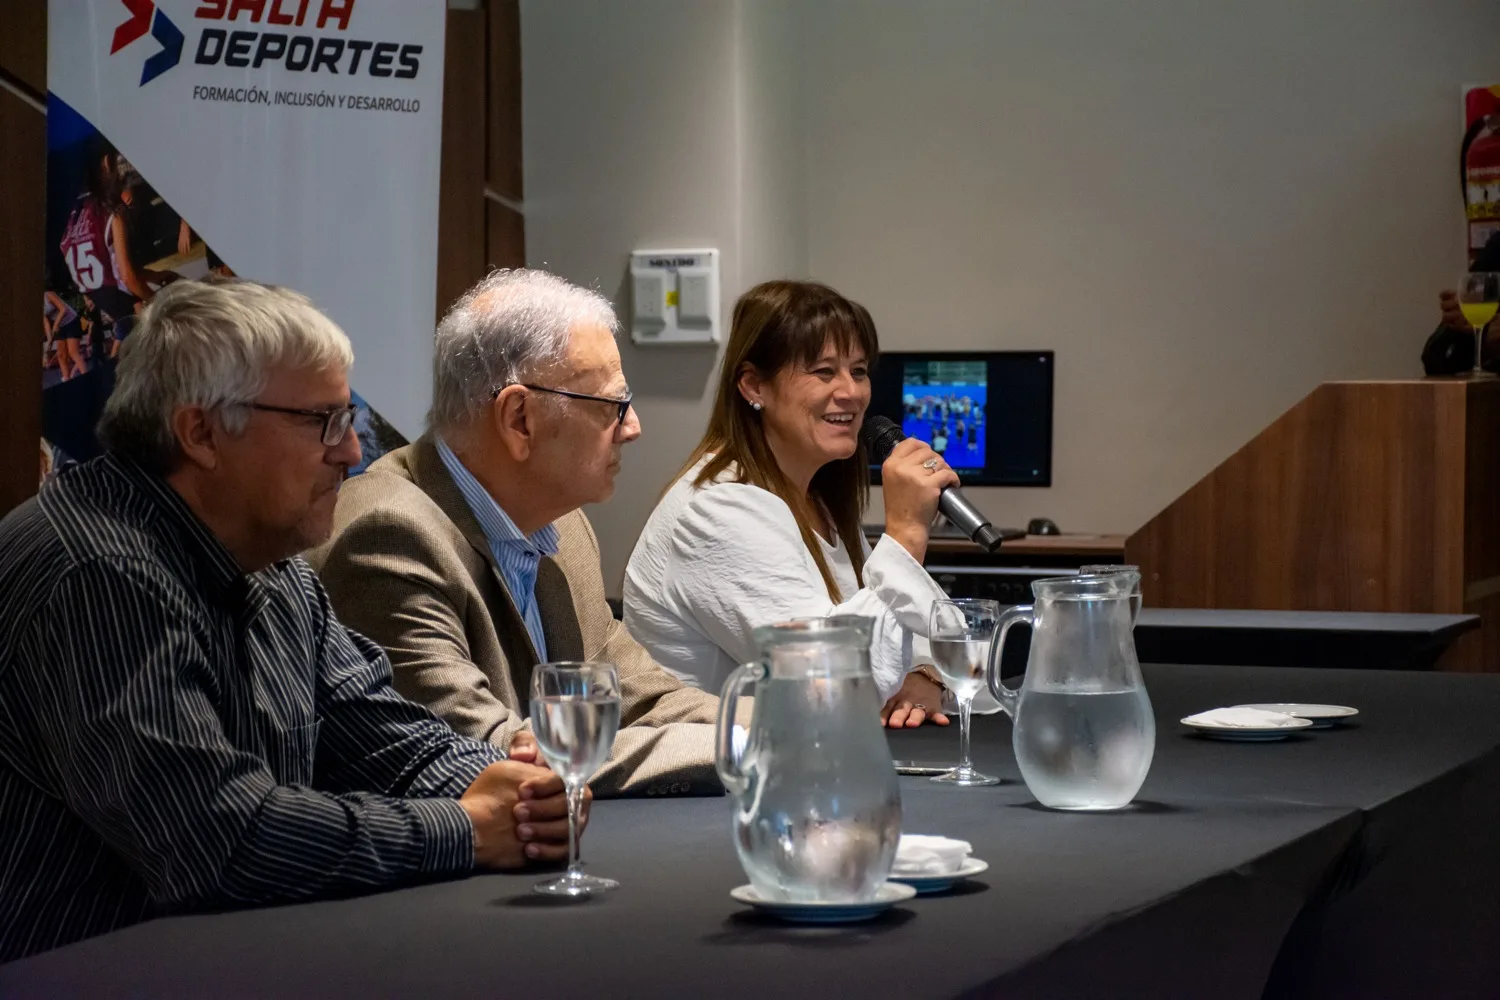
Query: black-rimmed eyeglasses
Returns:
{"type": "Point", "coordinates": [621, 403]}
{"type": "Point", "coordinates": [336, 422]}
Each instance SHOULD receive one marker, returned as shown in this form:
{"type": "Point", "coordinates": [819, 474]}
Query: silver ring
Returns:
{"type": "Point", "coordinates": [931, 463]}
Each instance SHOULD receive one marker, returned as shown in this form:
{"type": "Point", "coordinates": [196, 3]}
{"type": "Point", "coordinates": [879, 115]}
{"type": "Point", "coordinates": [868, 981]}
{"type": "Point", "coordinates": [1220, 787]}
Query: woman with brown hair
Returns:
{"type": "Point", "coordinates": [763, 523]}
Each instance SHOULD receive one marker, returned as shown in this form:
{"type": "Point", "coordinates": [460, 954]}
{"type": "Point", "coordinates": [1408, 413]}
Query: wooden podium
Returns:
{"type": "Point", "coordinates": [1365, 496]}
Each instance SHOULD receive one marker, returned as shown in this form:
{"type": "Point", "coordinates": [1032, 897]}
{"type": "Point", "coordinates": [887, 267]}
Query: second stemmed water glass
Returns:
{"type": "Point", "coordinates": [575, 713]}
{"type": "Point", "coordinates": [1478, 299]}
{"type": "Point", "coordinates": [961, 632]}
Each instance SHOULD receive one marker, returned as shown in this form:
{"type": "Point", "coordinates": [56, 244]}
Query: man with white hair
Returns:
{"type": "Point", "coordinates": [211, 736]}
{"type": "Point", "coordinates": [465, 553]}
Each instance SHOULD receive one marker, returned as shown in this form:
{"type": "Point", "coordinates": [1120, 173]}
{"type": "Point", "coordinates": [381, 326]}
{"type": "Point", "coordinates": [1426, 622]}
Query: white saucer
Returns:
{"type": "Point", "coordinates": [1322, 716]}
{"type": "Point", "coordinates": [1244, 734]}
{"type": "Point", "coordinates": [942, 881]}
{"type": "Point", "coordinates": [888, 895]}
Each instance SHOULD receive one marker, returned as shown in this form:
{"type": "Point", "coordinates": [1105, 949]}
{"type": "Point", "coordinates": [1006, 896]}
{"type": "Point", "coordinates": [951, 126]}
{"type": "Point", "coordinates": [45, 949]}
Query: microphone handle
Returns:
{"type": "Point", "coordinates": [956, 508]}
{"type": "Point", "coordinates": [988, 537]}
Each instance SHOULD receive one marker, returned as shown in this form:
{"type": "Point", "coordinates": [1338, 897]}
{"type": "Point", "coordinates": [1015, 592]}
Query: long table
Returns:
{"type": "Point", "coordinates": [1354, 862]}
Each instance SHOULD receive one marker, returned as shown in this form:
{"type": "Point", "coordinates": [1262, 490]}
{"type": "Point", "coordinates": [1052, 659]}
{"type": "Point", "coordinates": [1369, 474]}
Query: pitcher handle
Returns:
{"type": "Point", "coordinates": [1007, 697]}
{"type": "Point", "coordinates": [726, 761]}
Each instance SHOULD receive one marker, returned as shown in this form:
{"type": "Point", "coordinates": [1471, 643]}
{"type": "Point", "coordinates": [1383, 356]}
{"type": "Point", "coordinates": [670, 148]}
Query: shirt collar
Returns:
{"type": "Point", "coordinates": [212, 555]}
{"type": "Point", "coordinates": [497, 526]}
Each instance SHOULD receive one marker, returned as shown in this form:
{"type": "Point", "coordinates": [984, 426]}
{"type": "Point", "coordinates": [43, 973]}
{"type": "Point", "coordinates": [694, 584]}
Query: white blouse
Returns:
{"type": "Point", "coordinates": [716, 562]}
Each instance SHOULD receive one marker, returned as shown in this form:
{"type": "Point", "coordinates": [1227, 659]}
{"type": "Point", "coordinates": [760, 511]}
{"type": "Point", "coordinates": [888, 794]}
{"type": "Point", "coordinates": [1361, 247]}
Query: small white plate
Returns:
{"type": "Point", "coordinates": [886, 896]}
{"type": "Point", "coordinates": [942, 881]}
{"type": "Point", "coordinates": [1244, 734]}
{"type": "Point", "coordinates": [1322, 716]}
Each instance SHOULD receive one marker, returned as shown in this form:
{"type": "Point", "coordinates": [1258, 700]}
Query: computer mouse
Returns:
{"type": "Point", "coordinates": [1042, 526]}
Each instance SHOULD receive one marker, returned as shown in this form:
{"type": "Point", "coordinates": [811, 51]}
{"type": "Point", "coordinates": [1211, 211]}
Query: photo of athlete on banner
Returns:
{"type": "Point", "coordinates": [113, 243]}
{"type": "Point", "coordinates": [106, 232]}
{"type": "Point", "coordinates": [192, 140]}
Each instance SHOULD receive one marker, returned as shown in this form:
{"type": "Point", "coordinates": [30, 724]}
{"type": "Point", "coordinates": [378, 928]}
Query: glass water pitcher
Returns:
{"type": "Point", "coordinates": [817, 809]}
{"type": "Point", "coordinates": [1084, 731]}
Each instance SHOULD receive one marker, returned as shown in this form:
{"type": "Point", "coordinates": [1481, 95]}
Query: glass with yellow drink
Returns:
{"type": "Point", "coordinates": [1479, 297]}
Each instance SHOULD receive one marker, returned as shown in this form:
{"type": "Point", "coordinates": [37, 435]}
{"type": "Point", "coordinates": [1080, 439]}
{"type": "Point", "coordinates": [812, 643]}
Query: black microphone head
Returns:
{"type": "Point", "coordinates": [880, 435]}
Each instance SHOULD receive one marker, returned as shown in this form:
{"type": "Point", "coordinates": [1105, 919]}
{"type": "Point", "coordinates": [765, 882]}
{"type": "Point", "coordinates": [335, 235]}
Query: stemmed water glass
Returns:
{"type": "Point", "coordinates": [961, 632]}
{"type": "Point", "coordinates": [1478, 298]}
{"type": "Point", "coordinates": [575, 713]}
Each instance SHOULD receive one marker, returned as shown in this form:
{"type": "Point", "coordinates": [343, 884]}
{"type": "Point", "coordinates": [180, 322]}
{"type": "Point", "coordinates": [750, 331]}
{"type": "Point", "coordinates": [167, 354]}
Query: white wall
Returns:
{"type": "Point", "coordinates": [661, 123]}
{"type": "Point", "coordinates": [772, 149]}
{"type": "Point", "coordinates": [1205, 209]}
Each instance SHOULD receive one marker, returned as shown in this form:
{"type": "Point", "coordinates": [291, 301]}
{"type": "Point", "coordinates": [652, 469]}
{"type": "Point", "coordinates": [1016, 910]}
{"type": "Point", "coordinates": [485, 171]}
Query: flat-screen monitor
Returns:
{"type": "Point", "coordinates": [989, 413]}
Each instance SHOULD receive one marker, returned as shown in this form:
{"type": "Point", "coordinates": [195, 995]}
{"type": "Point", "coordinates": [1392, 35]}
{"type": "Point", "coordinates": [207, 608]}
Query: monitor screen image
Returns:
{"type": "Point", "coordinates": [942, 402]}
{"type": "Point", "coordinates": [988, 413]}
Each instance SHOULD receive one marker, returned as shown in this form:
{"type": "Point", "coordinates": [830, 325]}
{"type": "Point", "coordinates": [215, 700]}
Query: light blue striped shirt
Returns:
{"type": "Point", "coordinates": [517, 555]}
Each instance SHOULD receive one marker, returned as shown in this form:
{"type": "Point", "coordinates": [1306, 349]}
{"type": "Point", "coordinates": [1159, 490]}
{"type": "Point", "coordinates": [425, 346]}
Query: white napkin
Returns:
{"type": "Point", "coordinates": [1244, 718]}
{"type": "Point", "coordinates": [918, 854]}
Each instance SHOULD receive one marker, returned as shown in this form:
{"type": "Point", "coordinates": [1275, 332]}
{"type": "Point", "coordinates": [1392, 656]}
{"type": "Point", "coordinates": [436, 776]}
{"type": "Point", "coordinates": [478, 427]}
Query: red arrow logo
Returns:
{"type": "Point", "coordinates": [138, 25]}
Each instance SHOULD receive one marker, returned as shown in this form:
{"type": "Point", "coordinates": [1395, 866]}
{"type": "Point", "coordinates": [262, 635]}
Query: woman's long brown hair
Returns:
{"type": "Point", "coordinates": [776, 324]}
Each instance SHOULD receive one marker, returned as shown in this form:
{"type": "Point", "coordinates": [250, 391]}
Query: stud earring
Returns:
{"type": "Point", "coordinates": [755, 407]}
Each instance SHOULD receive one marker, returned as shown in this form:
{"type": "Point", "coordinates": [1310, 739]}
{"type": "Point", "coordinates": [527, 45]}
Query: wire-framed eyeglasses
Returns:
{"type": "Point", "coordinates": [621, 403]}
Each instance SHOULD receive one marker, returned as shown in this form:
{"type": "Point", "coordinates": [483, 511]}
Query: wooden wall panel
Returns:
{"type": "Point", "coordinates": [461, 216]}
{"type": "Point", "coordinates": [1353, 501]}
{"type": "Point", "coordinates": [481, 148]}
{"type": "Point", "coordinates": [507, 236]}
{"type": "Point", "coordinates": [1365, 496]}
{"type": "Point", "coordinates": [1481, 650]}
{"type": "Point", "coordinates": [23, 42]}
{"type": "Point", "coordinates": [504, 118]}
{"type": "Point", "coordinates": [23, 161]}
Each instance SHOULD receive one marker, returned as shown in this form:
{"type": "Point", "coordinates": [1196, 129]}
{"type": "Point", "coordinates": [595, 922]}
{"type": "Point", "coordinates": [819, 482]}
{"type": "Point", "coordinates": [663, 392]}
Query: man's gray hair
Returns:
{"type": "Point", "coordinates": [210, 344]}
{"type": "Point", "coordinates": [512, 326]}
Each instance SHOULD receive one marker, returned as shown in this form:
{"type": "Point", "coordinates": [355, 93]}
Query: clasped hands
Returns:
{"type": "Point", "coordinates": [519, 810]}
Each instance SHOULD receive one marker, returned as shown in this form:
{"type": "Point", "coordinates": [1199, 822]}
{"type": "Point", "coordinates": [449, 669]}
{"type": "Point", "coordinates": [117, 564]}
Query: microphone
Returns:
{"type": "Point", "coordinates": [881, 435]}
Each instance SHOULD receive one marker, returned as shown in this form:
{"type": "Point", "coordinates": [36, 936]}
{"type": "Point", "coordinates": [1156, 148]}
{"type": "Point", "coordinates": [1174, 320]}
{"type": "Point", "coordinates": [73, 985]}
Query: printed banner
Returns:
{"type": "Point", "coordinates": [1481, 165]}
{"type": "Point", "coordinates": [294, 142]}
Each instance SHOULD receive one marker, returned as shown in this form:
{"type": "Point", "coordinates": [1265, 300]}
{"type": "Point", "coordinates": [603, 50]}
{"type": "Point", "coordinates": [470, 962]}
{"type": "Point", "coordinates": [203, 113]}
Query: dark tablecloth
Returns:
{"type": "Point", "coordinates": [1352, 862]}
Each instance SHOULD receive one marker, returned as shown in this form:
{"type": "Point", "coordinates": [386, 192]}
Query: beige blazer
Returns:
{"type": "Point", "coordinates": [409, 566]}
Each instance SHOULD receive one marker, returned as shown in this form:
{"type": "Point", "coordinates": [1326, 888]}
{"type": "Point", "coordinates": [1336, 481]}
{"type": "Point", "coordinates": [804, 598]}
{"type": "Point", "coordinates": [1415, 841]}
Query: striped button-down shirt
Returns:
{"type": "Point", "coordinates": [517, 555]}
{"type": "Point", "coordinates": [176, 734]}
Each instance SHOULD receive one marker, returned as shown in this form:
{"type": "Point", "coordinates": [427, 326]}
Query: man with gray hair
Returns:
{"type": "Point", "coordinates": [212, 736]}
{"type": "Point", "coordinates": [465, 553]}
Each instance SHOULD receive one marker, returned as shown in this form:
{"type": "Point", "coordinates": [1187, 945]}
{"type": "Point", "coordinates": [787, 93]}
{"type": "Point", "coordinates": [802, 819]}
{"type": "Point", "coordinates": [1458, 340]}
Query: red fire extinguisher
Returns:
{"type": "Point", "coordinates": [1480, 166]}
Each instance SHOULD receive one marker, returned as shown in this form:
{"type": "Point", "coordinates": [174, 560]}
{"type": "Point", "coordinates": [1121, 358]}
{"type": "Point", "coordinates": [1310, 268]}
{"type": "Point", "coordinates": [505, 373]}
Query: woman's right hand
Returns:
{"type": "Point", "coordinates": [911, 490]}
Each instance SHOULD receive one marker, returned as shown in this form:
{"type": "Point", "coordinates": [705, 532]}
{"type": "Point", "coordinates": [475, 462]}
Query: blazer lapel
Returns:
{"type": "Point", "coordinates": [431, 476]}
{"type": "Point", "coordinates": [554, 599]}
